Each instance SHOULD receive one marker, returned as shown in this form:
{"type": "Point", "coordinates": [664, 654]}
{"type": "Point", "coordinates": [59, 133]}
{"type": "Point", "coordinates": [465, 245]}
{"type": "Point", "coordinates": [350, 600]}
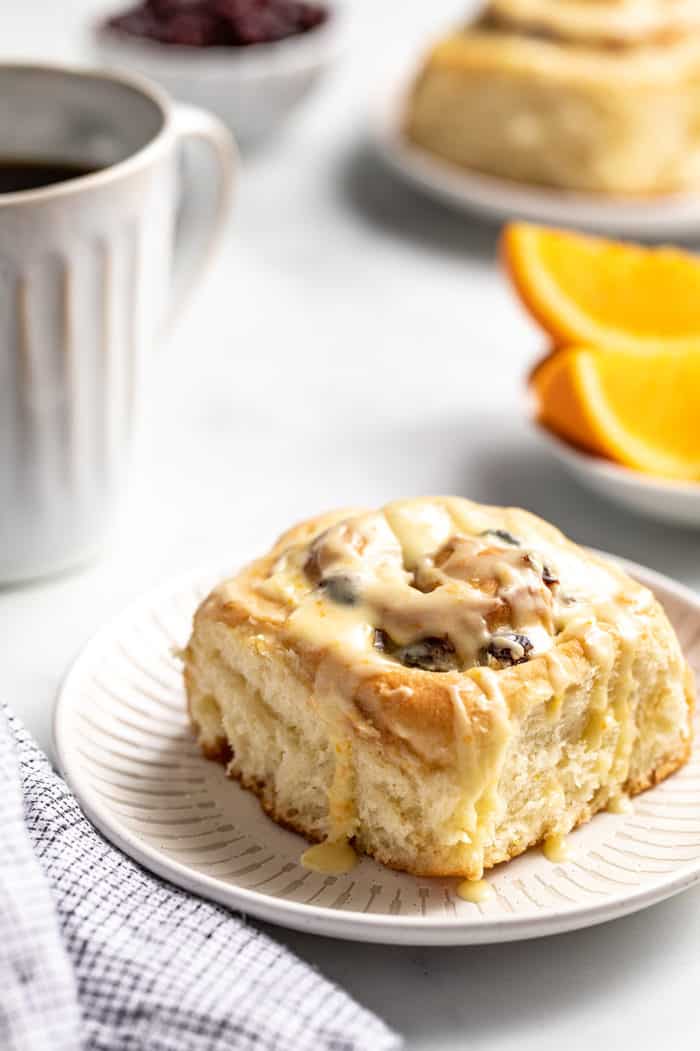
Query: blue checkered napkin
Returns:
{"type": "Point", "coordinates": [96, 953]}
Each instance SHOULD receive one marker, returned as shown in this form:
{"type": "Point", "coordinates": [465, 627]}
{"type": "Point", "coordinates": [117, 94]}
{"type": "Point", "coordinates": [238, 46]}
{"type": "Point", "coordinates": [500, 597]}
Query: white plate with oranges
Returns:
{"type": "Point", "coordinates": [617, 398]}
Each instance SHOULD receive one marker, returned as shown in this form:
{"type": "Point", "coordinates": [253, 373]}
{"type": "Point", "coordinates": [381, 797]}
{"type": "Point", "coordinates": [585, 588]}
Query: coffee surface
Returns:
{"type": "Point", "coordinates": [18, 174]}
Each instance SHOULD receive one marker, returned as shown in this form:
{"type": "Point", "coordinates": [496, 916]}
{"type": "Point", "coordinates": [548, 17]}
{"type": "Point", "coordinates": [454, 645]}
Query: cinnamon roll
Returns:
{"type": "Point", "coordinates": [441, 683]}
{"type": "Point", "coordinates": [598, 96]}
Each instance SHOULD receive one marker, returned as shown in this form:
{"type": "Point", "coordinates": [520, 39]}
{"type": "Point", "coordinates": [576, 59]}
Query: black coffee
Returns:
{"type": "Point", "coordinates": [21, 174]}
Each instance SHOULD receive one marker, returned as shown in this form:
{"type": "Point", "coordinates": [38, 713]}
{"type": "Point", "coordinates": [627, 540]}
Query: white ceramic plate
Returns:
{"type": "Point", "coordinates": [125, 749]}
{"type": "Point", "coordinates": [665, 499]}
{"type": "Point", "coordinates": [674, 216]}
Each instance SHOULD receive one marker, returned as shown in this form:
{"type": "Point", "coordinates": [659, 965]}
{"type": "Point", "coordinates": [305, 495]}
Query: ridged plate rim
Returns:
{"type": "Point", "coordinates": [335, 922]}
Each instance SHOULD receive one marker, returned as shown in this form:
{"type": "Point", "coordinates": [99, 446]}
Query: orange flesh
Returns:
{"type": "Point", "coordinates": [603, 293]}
{"type": "Point", "coordinates": [641, 408]}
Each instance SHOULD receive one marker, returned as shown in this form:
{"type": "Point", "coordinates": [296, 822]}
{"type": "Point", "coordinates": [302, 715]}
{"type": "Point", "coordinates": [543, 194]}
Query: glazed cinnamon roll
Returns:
{"type": "Point", "coordinates": [593, 96]}
{"type": "Point", "coordinates": [443, 684]}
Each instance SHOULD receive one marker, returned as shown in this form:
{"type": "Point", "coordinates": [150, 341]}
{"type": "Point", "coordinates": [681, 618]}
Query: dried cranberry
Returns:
{"type": "Point", "coordinates": [311, 15]}
{"type": "Point", "coordinates": [505, 645]}
{"type": "Point", "coordinates": [164, 8]}
{"type": "Point", "coordinates": [430, 654]}
{"type": "Point", "coordinates": [503, 535]}
{"type": "Point", "coordinates": [190, 30]}
{"type": "Point", "coordinates": [219, 23]}
{"type": "Point", "coordinates": [341, 589]}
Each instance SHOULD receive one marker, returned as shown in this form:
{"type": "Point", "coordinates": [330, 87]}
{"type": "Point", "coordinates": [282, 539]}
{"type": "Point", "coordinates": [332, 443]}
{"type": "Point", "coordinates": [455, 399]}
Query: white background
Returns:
{"type": "Point", "coordinates": [356, 342]}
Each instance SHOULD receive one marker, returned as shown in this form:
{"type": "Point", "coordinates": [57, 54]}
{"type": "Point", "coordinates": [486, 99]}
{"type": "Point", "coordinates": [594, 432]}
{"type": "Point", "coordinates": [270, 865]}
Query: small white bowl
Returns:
{"type": "Point", "coordinates": [252, 89]}
{"type": "Point", "coordinates": [661, 498]}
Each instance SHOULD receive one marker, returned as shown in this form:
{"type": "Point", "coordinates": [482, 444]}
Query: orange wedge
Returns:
{"type": "Point", "coordinates": [641, 408]}
{"type": "Point", "coordinates": [584, 290]}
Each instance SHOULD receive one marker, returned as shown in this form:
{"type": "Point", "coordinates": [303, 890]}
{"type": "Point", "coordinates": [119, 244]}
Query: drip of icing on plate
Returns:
{"type": "Point", "coordinates": [330, 858]}
{"type": "Point", "coordinates": [474, 891]}
{"type": "Point", "coordinates": [556, 848]}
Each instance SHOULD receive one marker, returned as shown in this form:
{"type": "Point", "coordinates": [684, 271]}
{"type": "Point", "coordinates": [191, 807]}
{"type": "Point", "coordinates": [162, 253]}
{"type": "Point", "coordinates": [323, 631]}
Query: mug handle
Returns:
{"type": "Point", "coordinates": [200, 225]}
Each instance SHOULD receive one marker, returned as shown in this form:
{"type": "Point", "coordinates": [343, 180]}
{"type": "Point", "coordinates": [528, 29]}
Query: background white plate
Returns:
{"type": "Point", "coordinates": [125, 749]}
{"type": "Point", "coordinates": [674, 216]}
{"type": "Point", "coordinates": [661, 498]}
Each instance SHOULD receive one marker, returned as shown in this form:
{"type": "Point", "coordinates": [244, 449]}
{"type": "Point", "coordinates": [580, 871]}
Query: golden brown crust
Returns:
{"type": "Point", "coordinates": [218, 751]}
{"type": "Point", "coordinates": [668, 765]}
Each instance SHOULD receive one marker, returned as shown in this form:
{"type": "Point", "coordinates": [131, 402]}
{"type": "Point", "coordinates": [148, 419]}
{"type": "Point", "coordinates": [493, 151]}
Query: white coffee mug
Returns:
{"type": "Point", "coordinates": [85, 286]}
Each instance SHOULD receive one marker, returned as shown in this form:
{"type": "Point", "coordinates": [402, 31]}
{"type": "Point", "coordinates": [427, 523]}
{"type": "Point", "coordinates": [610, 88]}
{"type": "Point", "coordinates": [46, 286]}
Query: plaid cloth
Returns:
{"type": "Point", "coordinates": [95, 953]}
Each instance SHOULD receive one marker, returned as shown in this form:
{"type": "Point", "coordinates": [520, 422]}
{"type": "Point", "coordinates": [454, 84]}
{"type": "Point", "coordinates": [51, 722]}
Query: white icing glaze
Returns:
{"type": "Point", "coordinates": [470, 590]}
{"type": "Point", "coordinates": [480, 748]}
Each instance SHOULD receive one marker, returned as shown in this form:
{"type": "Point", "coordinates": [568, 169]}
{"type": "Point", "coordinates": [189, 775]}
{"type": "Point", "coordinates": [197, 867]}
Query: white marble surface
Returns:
{"type": "Point", "coordinates": [355, 343]}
